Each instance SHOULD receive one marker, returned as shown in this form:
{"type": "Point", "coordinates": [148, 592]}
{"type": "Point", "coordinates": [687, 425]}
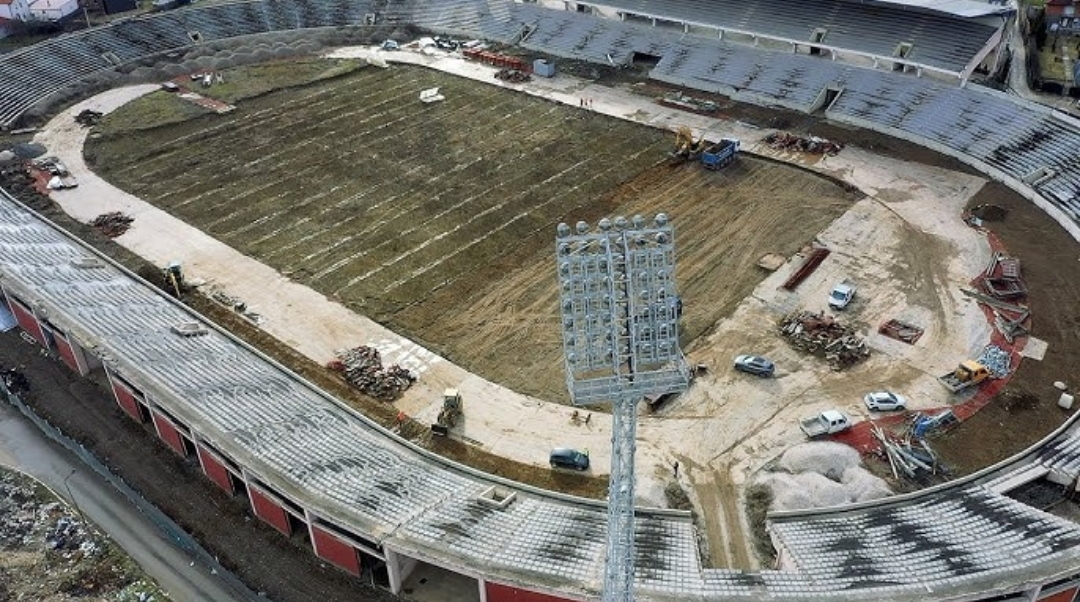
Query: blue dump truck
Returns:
{"type": "Point", "coordinates": [720, 154]}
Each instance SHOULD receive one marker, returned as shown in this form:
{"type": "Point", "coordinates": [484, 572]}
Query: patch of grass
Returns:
{"type": "Point", "coordinates": [758, 500]}
{"type": "Point", "coordinates": [255, 80]}
{"type": "Point", "coordinates": [676, 496]}
{"type": "Point", "coordinates": [150, 111]}
{"type": "Point", "coordinates": [1051, 65]}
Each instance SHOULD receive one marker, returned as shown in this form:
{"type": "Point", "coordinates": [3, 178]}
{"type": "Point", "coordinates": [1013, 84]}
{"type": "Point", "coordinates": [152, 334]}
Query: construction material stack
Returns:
{"type": "Point", "coordinates": [824, 336]}
{"type": "Point", "coordinates": [362, 367]}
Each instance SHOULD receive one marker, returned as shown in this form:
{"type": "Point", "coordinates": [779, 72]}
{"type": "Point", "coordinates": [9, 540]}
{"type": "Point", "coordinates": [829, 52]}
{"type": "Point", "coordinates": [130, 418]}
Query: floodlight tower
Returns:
{"type": "Point", "coordinates": [619, 314]}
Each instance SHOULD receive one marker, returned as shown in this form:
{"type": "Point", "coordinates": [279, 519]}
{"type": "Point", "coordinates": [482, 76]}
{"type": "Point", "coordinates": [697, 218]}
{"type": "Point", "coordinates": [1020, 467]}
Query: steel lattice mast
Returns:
{"type": "Point", "coordinates": [619, 313]}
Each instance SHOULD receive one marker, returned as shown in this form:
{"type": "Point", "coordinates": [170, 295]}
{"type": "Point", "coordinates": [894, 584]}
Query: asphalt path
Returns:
{"type": "Point", "coordinates": [186, 577]}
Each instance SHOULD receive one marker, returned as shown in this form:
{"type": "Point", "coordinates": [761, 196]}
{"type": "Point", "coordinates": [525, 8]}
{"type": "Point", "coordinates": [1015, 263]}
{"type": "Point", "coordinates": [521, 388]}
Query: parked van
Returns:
{"type": "Point", "coordinates": [564, 457]}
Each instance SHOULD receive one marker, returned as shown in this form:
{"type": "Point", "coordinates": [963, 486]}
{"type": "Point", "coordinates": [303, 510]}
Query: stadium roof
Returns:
{"type": "Point", "coordinates": [960, 8]}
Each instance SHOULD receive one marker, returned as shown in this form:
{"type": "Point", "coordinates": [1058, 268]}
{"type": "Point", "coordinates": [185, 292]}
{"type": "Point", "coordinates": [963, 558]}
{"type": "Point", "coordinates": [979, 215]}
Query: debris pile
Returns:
{"type": "Point", "coordinates": [26, 522]}
{"type": "Point", "coordinates": [52, 165]}
{"type": "Point", "coordinates": [923, 424]}
{"type": "Point", "coordinates": [679, 100]}
{"type": "Point", "coordinates": [803, 144]}
{"type": "Point", "coordinates": [996, 360]}
{"type": "Point", "coordinates": [112, 224]}
{"type": "Point", "coordinates": [989, 213]}
{"type": "Point", "coordinates": [496, 59]}
{"type": "Point", "coordinates": [88, 118]}
{"type": "Point", "coordinates": [58, 556]}
{"type": "Point", "coordinates": [915, 460]}
{"type": "Point", "coordinates": [237, 305]}
{"type": "Point", "coordinates": [513, 76]}
{"type": "Point", "coordinates": [14, 381]}
{"type": "Point", "coordinates": [1001, 278]}
{"type": "Point", "coordinates": [1009, 318]}
{"type": "Point", "coordinates": [362, 367]}
{"type": "Point", "coordinates": [901, 331]}
{"type": "Point", "coordinates": [822, 335]}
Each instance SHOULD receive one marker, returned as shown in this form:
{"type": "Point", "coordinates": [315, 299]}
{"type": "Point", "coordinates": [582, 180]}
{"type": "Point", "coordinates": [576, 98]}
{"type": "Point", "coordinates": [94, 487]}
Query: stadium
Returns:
{"type": "Point", "coordinates": [383, 508]}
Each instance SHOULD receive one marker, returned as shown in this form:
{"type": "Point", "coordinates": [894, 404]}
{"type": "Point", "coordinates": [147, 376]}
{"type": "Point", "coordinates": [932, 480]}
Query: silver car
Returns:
{"type": "Point", "coordinates": [755, 364]}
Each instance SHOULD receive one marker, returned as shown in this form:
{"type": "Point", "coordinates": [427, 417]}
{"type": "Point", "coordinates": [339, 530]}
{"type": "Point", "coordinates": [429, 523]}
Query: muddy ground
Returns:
{"type": "Point", "coordinates": [1027, 409]}
{"type": "Point", "coordinates": [438, 220]}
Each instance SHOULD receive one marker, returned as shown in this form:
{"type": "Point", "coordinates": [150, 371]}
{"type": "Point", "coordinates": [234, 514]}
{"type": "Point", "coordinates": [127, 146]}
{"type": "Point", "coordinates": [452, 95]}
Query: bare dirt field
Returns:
{"type": "Point", "coordinates": [438, 220]}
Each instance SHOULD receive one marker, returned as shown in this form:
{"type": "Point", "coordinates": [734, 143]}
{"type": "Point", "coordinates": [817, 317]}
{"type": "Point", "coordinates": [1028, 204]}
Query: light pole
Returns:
{"type": "Point", "coordinates": [71, 496]}
{"type": "Point", "coordinates": [619, 314]}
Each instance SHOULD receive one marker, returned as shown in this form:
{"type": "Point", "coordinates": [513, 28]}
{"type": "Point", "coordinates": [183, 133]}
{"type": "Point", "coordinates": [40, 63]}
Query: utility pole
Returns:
{"type": "Point", "coordinates": [71, 496]}
{"type": "Point", "coordinates": [619, 314]}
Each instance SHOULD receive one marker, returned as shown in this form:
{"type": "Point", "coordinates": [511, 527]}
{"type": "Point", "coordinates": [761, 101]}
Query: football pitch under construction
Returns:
{"type": "Point", "coordinates": [438, 219]}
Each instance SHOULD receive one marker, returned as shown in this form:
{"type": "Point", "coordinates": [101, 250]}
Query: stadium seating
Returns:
{"type": "Point", "coordinates": [937, 40]}
{"type": "Point", "coordinates": [950, 539]}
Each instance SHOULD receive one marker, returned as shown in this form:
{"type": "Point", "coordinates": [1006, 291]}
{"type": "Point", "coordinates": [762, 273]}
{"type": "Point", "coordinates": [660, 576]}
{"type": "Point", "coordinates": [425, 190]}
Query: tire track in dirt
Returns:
{"type": "Point", "coordinates": [720, 510]}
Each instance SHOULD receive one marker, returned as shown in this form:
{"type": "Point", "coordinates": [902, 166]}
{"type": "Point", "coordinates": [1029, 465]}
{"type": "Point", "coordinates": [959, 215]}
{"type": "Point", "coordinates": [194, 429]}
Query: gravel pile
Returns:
{"type": "Point", "coordinates": [821, 474]}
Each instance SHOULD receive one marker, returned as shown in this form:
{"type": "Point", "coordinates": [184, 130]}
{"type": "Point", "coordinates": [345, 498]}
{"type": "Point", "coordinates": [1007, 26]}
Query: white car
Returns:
{"type": "Point", "coordinates": [841, 295]}
{"type": "Point", "coordinates": [884, 401]}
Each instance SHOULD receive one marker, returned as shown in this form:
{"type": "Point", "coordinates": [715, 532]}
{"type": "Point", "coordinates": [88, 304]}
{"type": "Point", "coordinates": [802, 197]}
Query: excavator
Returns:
{"type": "Point", "coordinates": [686, 148]}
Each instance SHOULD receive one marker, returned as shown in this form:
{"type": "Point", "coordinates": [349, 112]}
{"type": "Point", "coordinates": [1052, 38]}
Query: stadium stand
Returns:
{"type": "Point", "coordinates": [300, 455]}
{"type": "Point", "coordinates": [936, 40]}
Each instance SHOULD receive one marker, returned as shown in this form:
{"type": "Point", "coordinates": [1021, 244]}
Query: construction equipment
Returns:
{"type": "Point", "coordinates": [968, 374]}
{"type": "Point", "coordinates": [450, 413]}
{"type": "Point", "coordinates": [174, 278]}
{"type": "Point", "coordinates": [721, 154]}
{"type": "Point", "coordinates": [686, 148]}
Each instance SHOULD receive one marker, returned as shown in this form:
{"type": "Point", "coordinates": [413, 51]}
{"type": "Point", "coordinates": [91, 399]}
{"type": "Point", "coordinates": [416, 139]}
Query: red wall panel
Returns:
{"type": "Point", "coordinates": [66, 352]}
{"type": "Point", "coordinates": [339, 553]}
{"type": "Point", "coordinates": [506, 593]}
{"type": "Point", "coordinates": [168, 433]}
{"type": "Point", "coordinates": [27, 322]}
{"type": "Point", "coordinates": [1062, 596]}
{"type": "Point", "coordinates": [269, 511]}
{"type": "Point", "coordinates": [126, 399]}
{"type": "Point", "coordinates": [215, 470]}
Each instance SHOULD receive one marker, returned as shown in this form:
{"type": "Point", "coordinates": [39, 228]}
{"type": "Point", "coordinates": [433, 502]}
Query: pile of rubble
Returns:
{"type": "Point", "coordinates": [513, 76]}
{"type": "Point", "coordinates": [362, 367]}
{"type": "Point", "coordinates": [112, 224]}
{"type": "Point", "coordinates": [914, 460]}
{"type": "Point", "coordinates": [14, 381]}
{"type": "Point", "coordinates": [1001, 278]}
{"type": "Point", "coordinates": [803, 144]}
{"type": "Point", "coordinates": [237, 305]}
{"type": "Point", "coordinates": [822, 335]}
{"type": "Point", "coordinates": [689, 103]}
{"type": "Point", "coordinates": [88, 118]}
{"type": "Point", "coordinates": [46, 553]}
{"type": "Point", "coordinates": [1009, 318]}
{"type": "Point", "coordinates": [996, 360]}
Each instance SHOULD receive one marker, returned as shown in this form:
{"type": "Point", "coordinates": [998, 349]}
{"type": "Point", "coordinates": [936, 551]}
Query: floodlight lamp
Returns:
{"type": "Point", "coordinates": [582, 228]}
{"type": "Point", "coordinates": [639, 222]}
{"type": "Point", "coordinates": [621, 223]}
{"type": "Point", "coordinates": [661, 220]}
{"type": "Point", "coordinates": [605, 224]}
{"type": "Point", "coordinates": [562, 230]}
